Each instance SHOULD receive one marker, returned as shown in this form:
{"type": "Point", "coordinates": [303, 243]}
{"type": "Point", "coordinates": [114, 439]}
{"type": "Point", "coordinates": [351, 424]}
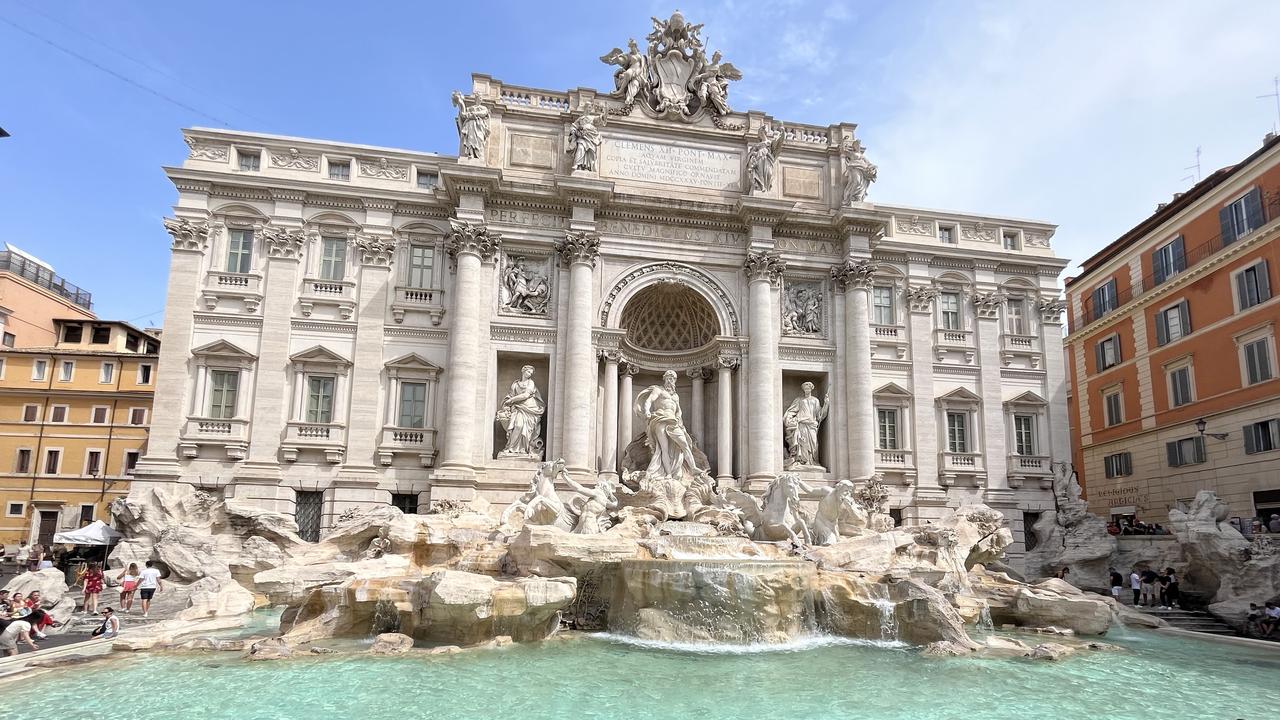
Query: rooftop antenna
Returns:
{"type": "Point", "coordinates": [1275, 81]}
{"type": "Point", "coordinates": [1196, 167]}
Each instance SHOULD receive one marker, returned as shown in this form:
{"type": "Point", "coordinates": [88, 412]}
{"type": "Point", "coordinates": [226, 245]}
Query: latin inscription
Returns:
{"type": "Point", "coordinates": [671, 164]}
{"type": "Point", "coordinates": [503, 216]}
{"type": "Point", "coordinates": [700, 236]}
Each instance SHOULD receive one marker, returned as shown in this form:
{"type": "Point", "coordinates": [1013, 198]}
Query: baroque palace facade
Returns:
{"type": "Point", "coordinates": [350, 324]}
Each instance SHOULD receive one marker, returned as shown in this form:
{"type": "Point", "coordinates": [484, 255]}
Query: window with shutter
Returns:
{"type": "Point", "coordinates": [1169, 260]}
{"type": "Point", "coordinates": [1257, 361]}
{"type": "Point", "coordinates": [1253, 285]}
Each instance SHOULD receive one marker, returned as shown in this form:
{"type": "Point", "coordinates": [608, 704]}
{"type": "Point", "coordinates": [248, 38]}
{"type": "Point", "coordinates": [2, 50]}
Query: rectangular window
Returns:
{"type": "Point", "coordinates": [1253, 285]}
{"type": "Point", "coordinates": [1108, 352]}
{"type": "Point", "coordinates": [1180, 386]}
{"type": "Point", "coordinates": [137, 416]}
{"type": "Point", "coordinates": [108, 372]}
{"type": "Point", "coordinates": [1169, 260]}
{"type": "Point", "coordinates": [66, 370]}
{"type": "Point", "coordinates": [1113, 408]}
{"type": "Point", "coordinates": [339, 170]}
{"type": "Point", "coordinates": [1104, 299]}
{"type": "Point", "coordinates": [52, 458]}
{"type": "Point", "coordinates": [320, 398]}
{"type": "Point", "coordinates": [1024, 434]}
{"type": "Point", "coordinates": [239, 251]}
{"type": "Point", "coordinates": [130, 461]}
{"type": "Point", "coordinates": [1257, 361]}
{"type": "Point", "coordinates": [86, 514]}
{"type": "Point", "coordinates": [39, 368]}
{"type": "Point", "coordinates": [98, 416]}
{"type": "Point", "coordinates": [14, 509]}
{"type": "Point", "coordinates": [1016, 316]}
{"type": "Point", "coordinates": [1241, 217]}
{"type": "Point", "coordinates": [131, 342]}
{"type": "Point", "coordinates": [421, 260]}
{"type": "Point", "coordinates": [958, 432]}
{"type": "Point", "coordinates": [887, 421]}
{"type": "Point", "coordinates": [73, 334]}
{"type": "Point", "coordinates": [1173, 323]}
{"type": "Point", "coordinates": [101, 335]}
{"type": "Point", "coordinates": [224, 385]}
{"type": "Point", "coordinates": [413, 404]}
{"type": "Point", "coordinates": [23, 462]}
{"type": "Point", "coordinates": [947, 234]}
{"type": "Point", "coordinates": [1187, 451]}
{"type": "Point", "coordinates": [144, 374]}
{"type": "Point", "coordinates": [1010, 239]}
{"type": "Point", "coordinates": [882, 302]}
{"type": "Point", "coordinates": [406, 503]}
{"type": "Point", "coordinates": [333, 258]}
{"type": "Point", "coordinates": [58, 414]}
{"type": "Point", "coordinates": [93, 463]}
{"type": "Point", "coordinates": [30, 413]}
{"type": "Point", "coordinates": [1259, 437]}
{"type": "Point", "coordinates": [1118, 465]}
{"type": "Point", "coordinates": [9, 339]}
{"type": "Point", "coordinates": [250, 161]}
{"type": "Point", "coordinates": [949, 303]}
{"type": "Point", "coordinates": [427, 180]}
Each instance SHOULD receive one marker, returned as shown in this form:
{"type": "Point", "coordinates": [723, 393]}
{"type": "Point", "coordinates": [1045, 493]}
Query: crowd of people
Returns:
{"type": "Point", "coordinates": [1151, 588]}
{"type": "Point", "coordinates": [1262, 621]}
{"type": "Point", "coordinates": [1124, 527]}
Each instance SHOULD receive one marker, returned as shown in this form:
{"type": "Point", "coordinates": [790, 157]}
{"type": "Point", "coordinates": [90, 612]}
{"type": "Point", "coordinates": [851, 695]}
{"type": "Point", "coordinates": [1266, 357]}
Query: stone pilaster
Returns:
{"type": "Point", "coordinates": [609, 431]}
{"type": "Point", "coordinates": [994, 447]}
{"type": "Point", "coordinates": [578, 250]}
{"type": "Point", "coordinates": [764, 269]}
{"type": "Point", "coordinates": [626, 398]}
{"type": "Point", "coordinates": [724, 420]}
{"type": "Point", "coordinates": [364, 425]}
{"type": "Point", "coordinates": [697, 408]}
{"type": "Point", "coordinates": [470, 245]}
{"type": "Point", "coordinates": [1059, 432]}
{"type": "Point", "coordinates": [856, 277]}
{"type": "Point", "coordinates": [929, 492]}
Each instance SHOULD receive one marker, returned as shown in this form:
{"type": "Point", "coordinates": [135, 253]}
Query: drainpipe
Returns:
{"type": "Point", "coordinates": [111, 432]}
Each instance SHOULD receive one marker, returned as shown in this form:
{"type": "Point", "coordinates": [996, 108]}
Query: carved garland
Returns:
{"type": "Point", "coordinates": [676, 269]}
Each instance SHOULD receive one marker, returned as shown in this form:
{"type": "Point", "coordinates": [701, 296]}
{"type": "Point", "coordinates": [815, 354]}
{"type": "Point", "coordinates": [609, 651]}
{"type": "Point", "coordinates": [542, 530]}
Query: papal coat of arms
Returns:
{"type": "Point", "coordinates": [673, 78]}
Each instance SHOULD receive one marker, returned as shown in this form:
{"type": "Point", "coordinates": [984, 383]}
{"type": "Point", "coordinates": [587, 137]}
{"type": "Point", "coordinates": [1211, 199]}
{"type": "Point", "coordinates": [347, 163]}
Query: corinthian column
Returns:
{"type": "Point", "coordinates": [856, 278]}
{"type": "Point", "coordinates": [724, 419]}
{"type": "Point", "coordinates": [698, 406]}
{"type": "Point", "coordinates": [579, 251]}
{"type": "Point", "coordinates": [763, 268]}
{"type": "Point", "coordinates": [469, 245]}
{"type": "Point", "coordinates": [609, 423]}
{"type": "Point", "coordinates": [625, 411]}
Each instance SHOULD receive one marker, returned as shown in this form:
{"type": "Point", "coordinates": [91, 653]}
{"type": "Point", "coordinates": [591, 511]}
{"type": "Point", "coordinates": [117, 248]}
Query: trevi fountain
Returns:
{"type": "Point", "coordinates": [659, 591]}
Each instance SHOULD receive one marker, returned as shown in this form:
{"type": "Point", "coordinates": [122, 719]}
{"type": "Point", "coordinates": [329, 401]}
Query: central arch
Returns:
{"type": "Point", "coordinates": [637, 279]}
{"type": "Point", "coordinates": [669, 318]}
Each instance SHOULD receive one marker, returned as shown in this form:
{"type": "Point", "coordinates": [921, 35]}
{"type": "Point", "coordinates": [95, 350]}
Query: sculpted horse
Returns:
{"type": "Point", "coordinates": [540, 505]}
{"type": "Point", "coordinates": [836, 509]}
{"type": "Point", "coordinates": [779, 517]}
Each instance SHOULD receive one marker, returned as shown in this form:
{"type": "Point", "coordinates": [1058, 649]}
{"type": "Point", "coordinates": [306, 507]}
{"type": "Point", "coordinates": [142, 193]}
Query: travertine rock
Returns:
{"type": "Point", "coordinates": [50, 583]}
{"type": "Point", "coordinates": [908, 610]}
{"type": "Point", "coordinates": [548, 551]}
{"type": "Point", "coordinates": [1050, 603]}
{"type": "Point", "coordinates": [211, 598]}
{"type": "Point", "coordinates": [270, 649]}
{"type": "Point", "coordinates": [1050, 651]}
{"type": "Point", "coordinates": [391, 644]}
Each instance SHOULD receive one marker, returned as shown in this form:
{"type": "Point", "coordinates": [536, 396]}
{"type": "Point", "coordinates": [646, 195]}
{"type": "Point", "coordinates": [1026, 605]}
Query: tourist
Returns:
{"type": "Point", "coordinates": [1274, 524]}
{"type": "Point", "coordinates": [23, 556]}
{"type": "Point", "coordinates": [1170, 596]}
{"type": "Point", "coordinates": [1113, 529]}
{"type": "Point", "coordinates": [128, 579]}
{"type": "Point", "coordinates": [92, 585]}
{"type": "Point", "coordinates": [1149, 596]}
{"type": "Point", "coordinates": [1135, 584]}
{"type": "Point", "coordinates": [40, 620]}
{"type": "Point", "coordinates": [33, 599]}
{"type": "Point", "coordinates": [1253, 621]}
{"type": "Point", "coordinates": [110, 626]}
{"type": "Point", "coordinates": [1062, 574]}
{"type": "Point", "coordinates": [37, 554]}
{"type": "Point", "coordinates": [17, 631]}
{"type": "Point", "coordinates": [1159, 530]}
{"type": "Point", "coordinates": [1271, 618]}
{"type": "Point", "coordinates": [148, 585]}
{"type": "Point", "coordinates": [1117, 583]}
{"type": "Point", "coordinates": [18, 605]}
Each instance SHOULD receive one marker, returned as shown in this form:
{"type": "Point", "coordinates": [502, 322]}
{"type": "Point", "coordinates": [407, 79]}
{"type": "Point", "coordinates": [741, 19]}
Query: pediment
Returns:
{"type": "Point", "coordinates": [1027, 398]}
{"type": "Point", "coordinates": [891, 390]}
{"type": "Point", "coordinates": [960, 395]}
{"type": "Point", "coordinates": [223, 349]}
{"type": "Point", "coordinates": [319, 354]}
{"type": "Point", "coordinates": [413, 361]}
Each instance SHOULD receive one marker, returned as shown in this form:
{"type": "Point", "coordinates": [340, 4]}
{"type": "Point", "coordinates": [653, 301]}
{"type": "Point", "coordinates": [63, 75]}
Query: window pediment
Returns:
{"type": "Point", "coordinates": [960, 397]}
{"type": "Point", "coordinates": [1027, 400]}
{"type": "Point", "coordinates": [223, 350]}
{"type": "Point", "coordinates": [320, 359]}
{"type": "Point", "coordinates": [891, 390]}
{"type": "Point", "coordinates": [413, 366]}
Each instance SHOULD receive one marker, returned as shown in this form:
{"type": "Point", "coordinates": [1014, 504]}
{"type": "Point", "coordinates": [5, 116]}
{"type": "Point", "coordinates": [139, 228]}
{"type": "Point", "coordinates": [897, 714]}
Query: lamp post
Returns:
{"type": "Point", "coordinates": [1201, 425]}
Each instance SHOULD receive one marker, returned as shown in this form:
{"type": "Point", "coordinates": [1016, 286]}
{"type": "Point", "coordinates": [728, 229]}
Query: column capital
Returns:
{"type": "Point", "coordinates": [579, 247]}
{"type": "Point", "coordinates": [728, 362]}
{"type": "Point", "coordinates": [188, 236]}
{"type": "Point", "coordinates": [920, 298]}
{"type": "Point", "coordinates": [764, 265]}
{"type": "Point", "coordinates": [696, 373]}
{"type": "Point", "coordinates": [627, 367]}
{"type": "Point", "coordinates": [283, 243]}
{"type": "Point", "coordinates": [854, 274]}
{"type": "Point", "coordinates": [471, 238]}
{"type": "Point", "coordinates": [375, 251]}
{"type": "Point", "coordinates": [987, 304]}
{"type": "Point", "coordinates": [611, 355]}
{"type": "Point", "coordinates": [1051, 310]}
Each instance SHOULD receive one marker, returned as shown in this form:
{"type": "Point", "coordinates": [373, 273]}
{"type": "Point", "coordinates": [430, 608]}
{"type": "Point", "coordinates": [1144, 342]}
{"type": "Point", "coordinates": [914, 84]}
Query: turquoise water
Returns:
{"type": "Point", "coordinates": [1158, 678]}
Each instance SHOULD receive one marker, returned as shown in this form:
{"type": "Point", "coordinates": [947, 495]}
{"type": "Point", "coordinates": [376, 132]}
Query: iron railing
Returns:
{"type": "Point", "coordinates": [43, 277]}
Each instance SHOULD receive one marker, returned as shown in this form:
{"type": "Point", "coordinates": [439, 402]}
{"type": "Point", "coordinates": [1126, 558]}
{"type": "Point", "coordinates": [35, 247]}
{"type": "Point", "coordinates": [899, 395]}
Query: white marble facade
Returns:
{"type": "Point", "coordinates": [346, 321]}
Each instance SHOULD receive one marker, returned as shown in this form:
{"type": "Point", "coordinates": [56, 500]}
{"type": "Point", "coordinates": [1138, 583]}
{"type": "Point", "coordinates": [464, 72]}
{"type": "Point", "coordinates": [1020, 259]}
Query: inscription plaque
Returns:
{"type": "Point", "coordinates": [671, 164]}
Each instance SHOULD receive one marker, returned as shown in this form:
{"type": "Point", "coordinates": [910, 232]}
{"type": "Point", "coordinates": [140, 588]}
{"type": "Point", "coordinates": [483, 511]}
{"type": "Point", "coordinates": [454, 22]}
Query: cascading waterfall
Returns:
{"type": "Point", "coordinates": [386, 618]}
{"type": "Point", "coordinates": [888, 619]}
{"type": "Point", "coordinates": [984, 620]}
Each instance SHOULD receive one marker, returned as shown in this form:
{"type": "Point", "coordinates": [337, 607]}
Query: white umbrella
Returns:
{"type": "Point", "coordinates": [95, 533]}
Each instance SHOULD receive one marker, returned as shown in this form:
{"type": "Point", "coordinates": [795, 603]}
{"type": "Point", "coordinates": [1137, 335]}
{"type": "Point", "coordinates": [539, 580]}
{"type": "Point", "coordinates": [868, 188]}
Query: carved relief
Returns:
{"type": "Point", "coordinates": [914, 225]}
{"type": "Point", "coordinates": [187, 235]}
{"type": "Point", "coordinates": [764, 265]}
{"type": "Point", "coordinates": [466, 237]}
{"type": "Point", "coordinates": [1035, 239]}
{"type": "Point", "coordinates": [978, 233]}
{"type": "Point", "coordinates": [579, 247]}
{"type": "Point", "coordinates": [293, 159]}
{"type": "Point", "coordinates": [381, 168]}
{"type": "Point", "coordinates": [205, 151]}
{"type": "Point", "coordinates": [523, 285]}
{"type": "Point", "coordinates": [283, 242]}
{"type": "Point", "coordinates": [803, 309]}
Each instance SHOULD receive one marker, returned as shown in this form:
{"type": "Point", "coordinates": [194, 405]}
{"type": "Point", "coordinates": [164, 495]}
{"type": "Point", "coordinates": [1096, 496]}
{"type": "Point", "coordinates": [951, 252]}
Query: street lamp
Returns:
{"type": "Point", "coordinates": [1201, 425]}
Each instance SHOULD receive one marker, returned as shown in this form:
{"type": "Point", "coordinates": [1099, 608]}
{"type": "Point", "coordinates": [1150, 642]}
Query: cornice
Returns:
{"type": "Point", "coordinates": [430, 335]}
{"type": "Point", "coordinates": [220, 320]}
{"type": "Point", "coordinates": [331, 327]}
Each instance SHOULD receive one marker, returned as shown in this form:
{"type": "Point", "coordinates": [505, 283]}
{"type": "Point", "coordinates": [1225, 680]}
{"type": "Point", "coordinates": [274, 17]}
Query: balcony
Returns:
{"type": "Point", "coordinates": [900, 463]}
{"type": "Point", "coordinates": [43, 276]}
{"type": "Point", "coordinates": [340, 294]}
{"type": "Point", "coordinates": [223, 286]}
{"type": "Point", "coordinates": [1013, 347]}
{"type": "Point", "coordinates": [1025, 467]}
{"type": "Point", "coordinates": [408, 441]}
{"type": "Point", "coordinates": [329, 438]}
{"type": "Point", "coordinates": [894, 336]}
{"type": "Point", "coordinates": [421, 300]}
{"type": "Point", "coordinates": [957, 341]}
{"type": "Point", "coordinates": [961, 466]}
{"type": "Point", "coordinates": [231, 434]}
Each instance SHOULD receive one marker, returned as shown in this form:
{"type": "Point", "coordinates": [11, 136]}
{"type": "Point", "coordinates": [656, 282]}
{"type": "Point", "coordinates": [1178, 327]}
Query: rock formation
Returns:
{"type": "Point", "coordinates": [1070, 536]}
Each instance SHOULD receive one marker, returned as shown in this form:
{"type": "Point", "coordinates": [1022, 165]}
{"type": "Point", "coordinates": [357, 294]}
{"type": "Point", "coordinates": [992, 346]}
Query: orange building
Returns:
{"type": "Point", "coordinates": [32, 296]}
{"type": "Point", "coordinates": [1171, 353]}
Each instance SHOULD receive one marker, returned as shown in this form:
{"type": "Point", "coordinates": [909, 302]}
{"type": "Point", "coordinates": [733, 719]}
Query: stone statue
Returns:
{"type": "Point", "coordinates": [802, 310]}
{"type": "Point", "coordinates": [779, 517]}
{"type": "Point", "coordinates": [632, 75]}
{"type": "Point", "coordinates": [523, 290]}
{"type": "Point", "coordinates": [711, 82]}
{"type": "Point", "coordinates": [800, 425]}
{"type": "Point", "coordinates": [873, 499]}
{"type": "Point", "coordinates": [378, 546]}
{"type": "Point", "coordinates": [584, 137]}
{"type": "Point", "coordinates": [540, 505]}
{"type": "Point", "coordinates": [837, 512]}
{"type": "Point", "coordinates": [520, 414]}
{"type": "Point", "coordinates": [859, 173]}
{"type": "Point", "coordinates": [665, 434]}
{"type": "Point", "coordinates": [762, 157]}
{"type": "Point", "coordinates": [593, 506]}
{"type": "Point", "coordinates": [473, 125]}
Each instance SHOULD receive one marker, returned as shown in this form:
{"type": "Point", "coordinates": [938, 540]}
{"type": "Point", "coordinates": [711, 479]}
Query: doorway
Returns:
{"type": "Point", "coordinates": [306, 512]}
{"type": "Point", "coordinates": [48, 527]}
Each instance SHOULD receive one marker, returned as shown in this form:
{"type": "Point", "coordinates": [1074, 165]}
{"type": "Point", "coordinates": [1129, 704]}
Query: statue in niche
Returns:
{"type": "Point", "coordinates": [802, 310]}
{"type": "Point", "coordinates": [858, 173]}
{"type": "Point", "coordinates": [520, 414]}
{"type": "Point", "coordinates": [665, 434]}
{"type": "Point", "coordinates": [800, 424]}
{"type": "Point", "coordinates": [473, 125]}
{"type": "Point", "coordinates": [524, 290]}
{"type": "Point", "coordinates": [762, 157]}
{"type": "Point", "coordinates": [584, 137]}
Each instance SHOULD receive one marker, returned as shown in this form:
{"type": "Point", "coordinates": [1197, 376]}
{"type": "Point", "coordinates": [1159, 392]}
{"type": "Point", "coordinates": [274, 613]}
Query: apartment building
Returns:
{"type": "Point", "coordinates": [32, 296]}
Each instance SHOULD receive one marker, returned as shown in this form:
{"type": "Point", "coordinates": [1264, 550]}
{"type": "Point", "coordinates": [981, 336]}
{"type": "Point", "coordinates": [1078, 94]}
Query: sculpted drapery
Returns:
{"type": "Point", "coordinates": [665, 433]}
{"type": "Point", "coordinates": [521, 416]}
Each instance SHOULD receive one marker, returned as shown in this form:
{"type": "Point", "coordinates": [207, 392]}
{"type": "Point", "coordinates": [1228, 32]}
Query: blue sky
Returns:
{"type": "Point", "coordinates": [1085, 115]}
